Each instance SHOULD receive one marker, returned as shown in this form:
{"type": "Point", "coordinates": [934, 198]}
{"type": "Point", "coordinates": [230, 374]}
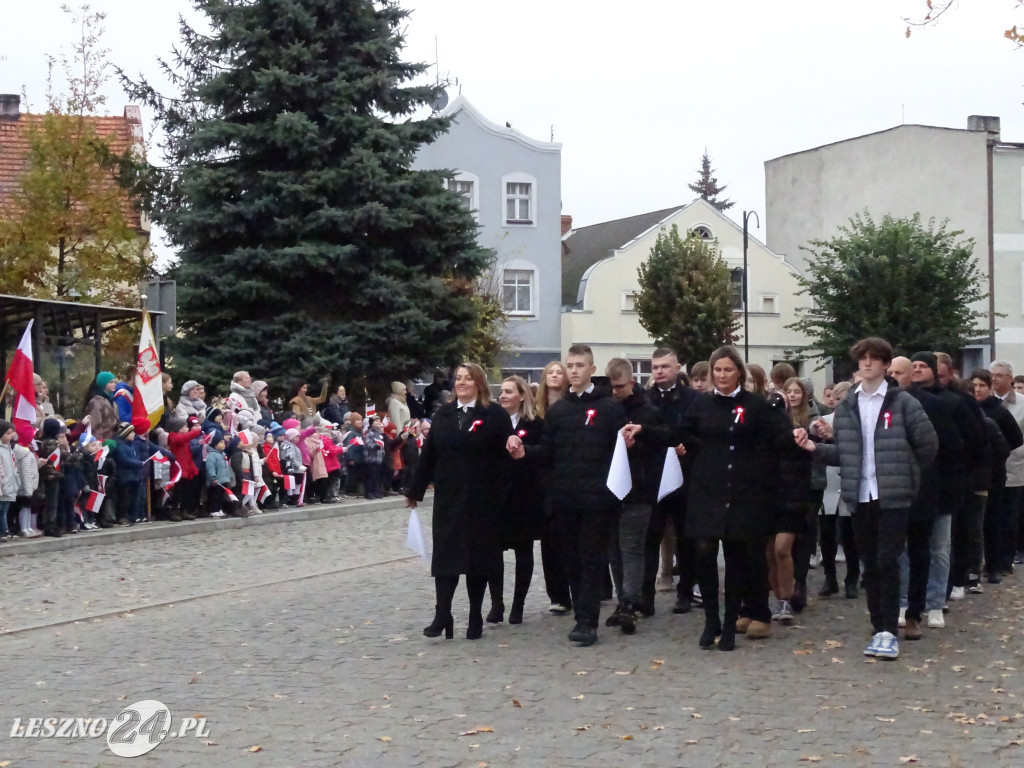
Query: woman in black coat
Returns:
{"type": "Point", "coordinates": [462, 457]}
{"type": "Point", "coordinates": [736, 439]}
{"type": "Point", "coordinates": [522, 495]}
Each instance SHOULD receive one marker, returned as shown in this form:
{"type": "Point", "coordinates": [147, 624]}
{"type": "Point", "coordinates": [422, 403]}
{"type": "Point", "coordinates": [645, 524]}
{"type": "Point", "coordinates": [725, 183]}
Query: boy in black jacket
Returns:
{"type": "Point", "coordinates": [578, 442]}
{"type": "Point", "coordinates": [629, 529]}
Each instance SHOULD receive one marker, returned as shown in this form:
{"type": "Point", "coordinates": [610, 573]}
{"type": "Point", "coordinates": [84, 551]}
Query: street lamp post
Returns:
{"type": "Point", "coordinates": [746, 299]}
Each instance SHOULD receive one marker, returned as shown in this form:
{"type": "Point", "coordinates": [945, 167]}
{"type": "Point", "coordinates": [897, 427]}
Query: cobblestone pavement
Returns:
{"type": "Point", "coordinates": [333, 670]}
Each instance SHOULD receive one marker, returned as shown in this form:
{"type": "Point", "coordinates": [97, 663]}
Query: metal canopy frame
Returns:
{"type": "Point", "coordinates": [61, 323]}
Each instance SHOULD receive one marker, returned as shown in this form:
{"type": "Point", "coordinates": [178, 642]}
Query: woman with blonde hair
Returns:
{"type": "Point", "coordinates": [522, 519]}
{"type": "Point", "coordinates": [462, 457]}
{"type": "Point", "coordinates": [553, 385]}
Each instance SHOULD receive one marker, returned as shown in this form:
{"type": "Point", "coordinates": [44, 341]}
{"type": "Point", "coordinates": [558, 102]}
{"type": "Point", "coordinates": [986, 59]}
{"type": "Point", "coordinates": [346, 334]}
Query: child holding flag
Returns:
{"type": "Point", "coordinates": [219, 478]}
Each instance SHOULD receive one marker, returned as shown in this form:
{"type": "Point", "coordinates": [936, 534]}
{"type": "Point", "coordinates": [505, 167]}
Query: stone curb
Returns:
{"type": "Point", "coordinates": [163, 530]}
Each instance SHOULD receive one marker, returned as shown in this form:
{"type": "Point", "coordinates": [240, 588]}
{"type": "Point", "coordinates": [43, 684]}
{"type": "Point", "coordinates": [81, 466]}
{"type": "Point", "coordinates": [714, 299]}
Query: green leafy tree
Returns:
{"type": "Point", "coordinates": [306, 242]}
{"type": "Point", "coordinates": [685, 299]}
{"type": "Point", "coordinates": [69, 227]}
{"type": "Point", "coordinates": [707, 186]}
{"type": "Point", "coordinates": [899, 279]}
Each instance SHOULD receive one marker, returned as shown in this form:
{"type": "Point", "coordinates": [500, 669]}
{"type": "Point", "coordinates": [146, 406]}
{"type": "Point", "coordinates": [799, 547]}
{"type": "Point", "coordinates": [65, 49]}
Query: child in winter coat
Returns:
{"type": "Point", "coordinates": [291, 465]}
{"type": "Point", "coordinates": [8, 476]}
{"type": "Point", "coordinates": [131, 489]}
{"type": "Point", "coordinates": [333, 453]}
{"type": "Point", "coordinates": [51, 456]}
{"type": "Point", "coordinates": [184, 502]}
{"type": "Point", "coordinates": [219, 478]}
{"type": "Point", "coordinates": [28, 480]}
{"type": "Point", "coordinates": [272, 475]}
{"type": "Point", "coordinates": [106, 483]}
{"type": "Point", "coordinates": [243, 464]}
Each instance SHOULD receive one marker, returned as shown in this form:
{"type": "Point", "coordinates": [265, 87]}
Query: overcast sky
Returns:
{"type": "Point", "coordinates": [636, 92]}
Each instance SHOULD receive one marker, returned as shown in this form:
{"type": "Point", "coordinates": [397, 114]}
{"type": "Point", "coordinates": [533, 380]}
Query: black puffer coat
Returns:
{"type": "Point", "coordinates": [577, 443]}
{"type": "Point", "coordinates": [465, 467]}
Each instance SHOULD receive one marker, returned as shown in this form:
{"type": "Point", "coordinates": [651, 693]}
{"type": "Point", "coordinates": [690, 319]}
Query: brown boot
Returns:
{"type": "Point", "coordinates": [757, 630]}
{"type": "Point", "coordinates": [912, 630]}
{"type": "Point", "coordinates": [742, 624]}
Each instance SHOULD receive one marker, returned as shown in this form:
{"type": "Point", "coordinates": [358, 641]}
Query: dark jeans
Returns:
{"type": "Point", "coordinates": [881, 535]}
{"type": "Point", "coordinates": [131, 501]}
{"type": "Point", "coordinates": [556, 582]}
{"type": "Point", "coordinates": [585, 534]}
{"type": "Point", "coordinates": [48, 515]}
{"type": "Point", "coordinates": [746, 580]}
{"type": "Point", "coordinates": [626, 550]}
{"type": "Point", "coordinates": [672, 507]}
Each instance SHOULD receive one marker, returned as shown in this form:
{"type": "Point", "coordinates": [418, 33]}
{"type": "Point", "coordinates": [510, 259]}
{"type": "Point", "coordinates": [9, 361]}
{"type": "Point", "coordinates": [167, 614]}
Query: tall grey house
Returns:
{"type": "Point", "coordinates": [969, 176]}
{"type": "Point", "coordinates": [513, 185]}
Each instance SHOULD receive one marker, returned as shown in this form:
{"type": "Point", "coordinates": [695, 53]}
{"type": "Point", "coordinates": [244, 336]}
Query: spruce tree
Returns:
{"type": "Point", "coordinates": [306, 243]}
{"type": "Point", "coordinates": [707, 185]}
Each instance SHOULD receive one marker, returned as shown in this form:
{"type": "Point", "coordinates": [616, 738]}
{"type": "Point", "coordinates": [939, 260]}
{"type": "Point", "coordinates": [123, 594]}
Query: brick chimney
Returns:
{"type": "Point", "coordinates": [10, 106]}
{"type": "Point", "coordinates": [566, 224]}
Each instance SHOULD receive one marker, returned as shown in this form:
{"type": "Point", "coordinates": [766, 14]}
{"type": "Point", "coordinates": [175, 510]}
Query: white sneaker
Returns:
{"type": "Point", "coordinates": [903, 618]}
{"type": "Point", "coordinates": [936, 620]}
{"type": "Point", "coordinates": [218, 514]}
{"type": "Point", "coordinates": [872, 649]}
{"type": "Point", "coordinates": [957, 593]}
{"type": "Point", "coordinates": [888, 647]}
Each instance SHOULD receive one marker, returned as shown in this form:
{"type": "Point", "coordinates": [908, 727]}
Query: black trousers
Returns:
{"type": "Point", "coordinates": [919, 535]}
{"type": "Point", "coordinates": [805, 543]}
{"type": "Point", "coordinates": [746, 579]}
{"type": "Point", "coordinates": [585, 534]}
{"type": "Point", "coordinates": [556, 581]}
{"type": "Point", "coordinates": [672, 507]}
{"type": "Point", "coordinates": [881, 535]}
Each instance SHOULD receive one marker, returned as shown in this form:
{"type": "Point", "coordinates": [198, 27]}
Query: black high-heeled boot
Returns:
{"type": "Point", "coordinates": [475, 586]}
{"type": "Point", "coordinates": [712, 629]}
{"type": "Point", "coordinates": [497, 613]}
{"type": "Point", "coordinates": [475, 627]}
{"type": "Point", "coordinates": [443, 621]}
{"type": "Point", "coordinates": [515, 615]}
{"type": "Point", "coordinates": [727, 640]}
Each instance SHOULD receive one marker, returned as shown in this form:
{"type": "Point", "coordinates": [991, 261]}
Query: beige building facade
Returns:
{"type": "Point", "coordinates": [600, 282]}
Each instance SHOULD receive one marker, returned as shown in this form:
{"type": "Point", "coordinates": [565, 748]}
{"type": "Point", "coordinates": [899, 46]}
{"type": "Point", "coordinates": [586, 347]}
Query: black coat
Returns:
{"type": "Point", "coordinates": [465, 467]}
{"type": "Point", "coordinates": [646, 461]}
{"type": "Point", "coordinates": [794, 480]}
{"type": "Point", "coordinates": [673, 406]}
{"type": "Point", "coordinates": [578, 446]}
{"type": "Point", "coordinates": [926, 503]}
{"type": "Point", "coordinates": [523, 491]}
{"type": "Point", "coordinates": [733, 478]}
{"type": "Point", "coordinates": [959, 433]}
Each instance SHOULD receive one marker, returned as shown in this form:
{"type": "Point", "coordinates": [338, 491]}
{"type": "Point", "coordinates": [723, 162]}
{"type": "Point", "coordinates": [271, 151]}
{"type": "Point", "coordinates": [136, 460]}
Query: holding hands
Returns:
{"type": "Point", "coordinates": [515, 448]}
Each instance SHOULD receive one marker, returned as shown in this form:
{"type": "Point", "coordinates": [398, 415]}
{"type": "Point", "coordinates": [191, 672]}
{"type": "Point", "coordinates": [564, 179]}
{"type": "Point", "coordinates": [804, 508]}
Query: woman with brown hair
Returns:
{"type": "Point", "coordinates": [462, 457]}
{"type": "Point", "coordinates": [301, 404]}
{"type": "Point", "coordinates": [522, 519]}
{"type": "Point", "coordinates": [731, 490]}
{"type": "Point", "coordinates": [553, 385]}
{"type": "Point", "coordinates": [757, 381]}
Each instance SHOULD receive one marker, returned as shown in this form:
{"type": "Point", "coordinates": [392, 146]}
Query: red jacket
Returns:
{"type": "Point", "coordinates": [332, 462]}
{"type": "Point", "coordinates": [178, 442]}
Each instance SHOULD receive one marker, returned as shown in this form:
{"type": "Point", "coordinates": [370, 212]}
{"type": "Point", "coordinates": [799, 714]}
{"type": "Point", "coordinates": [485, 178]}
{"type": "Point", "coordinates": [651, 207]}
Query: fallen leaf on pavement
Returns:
{"type": "Point", "coordinates": [255, 748]}
{"type": "Point", "coordinates": [804, 652]}
{"type": "Point", "coordinates": [810, 759]}
{"type": "Point", "coordinates": [516, 704]}
{"type": "Point", "coordinates": [805, 730]}
{"type": "Point", "coordinates": [386, 738]}
{"type": "Point", "coordinates": [627, 738]}
{"type": "Point", "coordinates": [886, 719]}
{"type": "Point", "coordinates": [193, 681]}
{"type": "Point", "coordinates": [909, 759]}
{"type": "Point", "coordinates": [578, 698]}
{"type": "Point", "coordinates": [210, 743]}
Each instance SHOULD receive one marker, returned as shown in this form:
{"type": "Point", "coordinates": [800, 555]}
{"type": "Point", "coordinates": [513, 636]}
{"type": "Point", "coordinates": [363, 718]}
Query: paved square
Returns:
{"type": "Point", "coordinates": [332, 670]}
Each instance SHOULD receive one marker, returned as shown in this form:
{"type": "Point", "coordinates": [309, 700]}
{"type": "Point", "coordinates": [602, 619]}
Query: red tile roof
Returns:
{"type": "Point", "coordinates": [123, 133]}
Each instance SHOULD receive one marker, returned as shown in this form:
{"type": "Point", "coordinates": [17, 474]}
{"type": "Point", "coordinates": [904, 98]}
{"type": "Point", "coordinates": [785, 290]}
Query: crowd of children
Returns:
{"type": "Point", "coordinates": [232, 457]}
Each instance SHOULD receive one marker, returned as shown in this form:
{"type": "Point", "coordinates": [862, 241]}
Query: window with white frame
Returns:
{"type": "Point", "coordinates": [641, 370]}
{"type": "Point", "coordinates": [467, 187]}
{"type": "Point", "coordinates": [517, 291]}
{"type": "Point", "coordinates": [703, 232]}
{"type": "Point", "coordinates": [519, 193]}
{"type": "Point", "coordinates": [736, 289]}
{"type": "Point", "coordinates": [770, 303]}
{"type": "Point", "coordinates": [629, 301]}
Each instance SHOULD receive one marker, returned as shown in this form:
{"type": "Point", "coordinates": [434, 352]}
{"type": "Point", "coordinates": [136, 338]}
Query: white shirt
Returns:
{"type": "Point", "coordinates": [870, 406]}
{"type": "Point", "coordinates": [588, 389]}
{"type": "Point", "coordinates": [467, 406]}
{"type": "Point", "coordinates": [515, 419]}
{"type": "Point", "coordinates": [734, 393]}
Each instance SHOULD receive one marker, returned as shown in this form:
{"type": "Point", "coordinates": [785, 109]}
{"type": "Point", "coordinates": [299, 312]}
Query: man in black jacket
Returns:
{"type": "Point", "coordinates": [960, 434]}
{"type": "Point", "coordinates": [578, 441]}
{"type": "Point", "coordinates": [629, 532]}
{"type": "Point", "coordinates": [672, 398]}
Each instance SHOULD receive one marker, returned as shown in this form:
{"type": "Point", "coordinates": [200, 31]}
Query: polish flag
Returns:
{"type": "Point", "coordinates": [302, 491]}
{"type": "Point", "coordinates": [94, 501]}
{"type": "Point", "coordinates": [101, 456]}
{"type": "Point", "coordinates": [19, 379]}
{"type": "Point", "coordinates": [263, 493]}
{"type": "Point", "coordinates": [245, 437]}
{"type": "Point", "coordinates": [230, 496]}
{"type": "Point", "coordinates": [55, 458]}
{"type": "Point", "coordinates": [289, 485]}
{"type": "Point", "coordinates": [101, 481]}
{"type": "Point", "coordinates": [248, 487]}
{"type": "Point", "coordinates": [149, 391]}
{"type": "Point", "coordinates": [371, 408]}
